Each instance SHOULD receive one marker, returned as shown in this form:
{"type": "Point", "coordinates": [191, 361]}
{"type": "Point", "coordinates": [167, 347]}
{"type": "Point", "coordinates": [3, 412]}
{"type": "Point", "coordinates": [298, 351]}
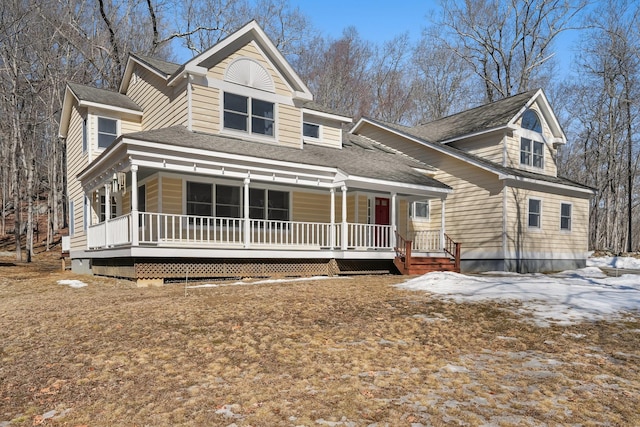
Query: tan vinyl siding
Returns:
{"type": "Point", "coordinates": [473, 210]}
{"type": "Point", "coordinates": [548, 240]}
{"type": "Point", "coordinates": [128, 126]}
{"type": "Point", "coordinates": [362, 209]}
{"type": "Point", "coordinates": [205, 107]}
{"type": "Point", "coordinates": [311, 207]}
{"type": "Point", "coordinates": [172, 195]}
{"type": "Point", "coordinates": [289, 125]}
{"type": "Point", "coordinates": [163, 106]}
{"type": "Point", "coordinates": [76, 161]}
{"type": "Point", "coordinates": [152, 194]}
{"type": "Point", "coordinates": [486, 146]}
{"type": "Point", "coordinates": [126, 202]}
{"type": "Point", "coordinates": [250, 50]}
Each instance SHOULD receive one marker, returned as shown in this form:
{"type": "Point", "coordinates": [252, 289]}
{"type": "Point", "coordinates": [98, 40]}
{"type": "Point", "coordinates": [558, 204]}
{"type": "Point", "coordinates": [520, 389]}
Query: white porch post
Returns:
{"type": "Point", "coordinates": [247, 228]}
{"type": "Point", "coordinates": [394, 200]}
{"type": "Point", "coordinates": [442, 212]}
{"type": "Point", "coordinates": [135, 239]}
{"type": "Point", "coordinates": [107, 213]}
{"type": "Point", "coordinates": [332, 227]}
{"type": "Point", "coordinates": [345, 232]}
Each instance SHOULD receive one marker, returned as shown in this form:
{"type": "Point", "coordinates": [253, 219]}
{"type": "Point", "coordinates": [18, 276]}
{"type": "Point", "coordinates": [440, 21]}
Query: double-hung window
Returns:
{"type": "Point", "coordinates": [531, 145]}
{"type": "Point", "coordinates": [535, 213]}
{"type": "Point", "coordinates": [248, 114]}
{"type": "Point", "coordinates": [107, 131]}
{"type": "Point", "coordinates": [565, 216]}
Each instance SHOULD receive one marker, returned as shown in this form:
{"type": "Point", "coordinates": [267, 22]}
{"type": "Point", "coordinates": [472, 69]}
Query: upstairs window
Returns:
{"type": "Point", "coordinates": [535, 212]}
{"type": "Point", "coordinates": [531, 145]}
{"type": "Point", "coordinates": [199, 198]}
{"type": "Point", "coordinates": [311, 130]}
{"type": "Point", "coordinates": [107, 131]}
{"type": "Point", "coordinates": [248, 115]}
{"type": "Point", "coordinates": [531, 153]}
{"type": "Point", "coordinates": [565, 216]}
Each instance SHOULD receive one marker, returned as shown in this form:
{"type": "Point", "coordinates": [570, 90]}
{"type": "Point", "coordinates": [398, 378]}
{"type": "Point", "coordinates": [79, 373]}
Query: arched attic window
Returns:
{"type": "Point", "coordinates": [531, 142]}
{"type": "Point", "coordinates": [531, 121]}
{"type": "Point", "coordinates": [242, 112]}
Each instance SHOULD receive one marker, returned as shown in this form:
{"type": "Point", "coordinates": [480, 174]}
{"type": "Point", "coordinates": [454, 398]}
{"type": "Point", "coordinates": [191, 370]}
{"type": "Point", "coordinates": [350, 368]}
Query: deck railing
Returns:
{"type": "Point", "coordinates": [203, 231]}
{"type": "Point", "coordinates": [426, 241]}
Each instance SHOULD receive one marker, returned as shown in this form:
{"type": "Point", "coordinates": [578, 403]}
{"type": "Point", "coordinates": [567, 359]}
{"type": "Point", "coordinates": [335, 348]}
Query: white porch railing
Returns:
{"type": "Point", "coordinates": [113, 232]}
{"type": "Point", "coordinates": [187, 230]}
{"type": "Point", "coordinates": [426, 241]}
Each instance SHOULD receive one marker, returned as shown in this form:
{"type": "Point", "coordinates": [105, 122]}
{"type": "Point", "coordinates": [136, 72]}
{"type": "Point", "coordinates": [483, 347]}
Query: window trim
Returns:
{"type": "Point", "coordinates": [250, 117]}
{"type": "Point", "coordinates": [412, 211]}
{"type": "Point", "coordinates": [531, 152]}
{"type": "Point", "coordinates": [569, 229]}
{"type": "Point", "coordinates": [539, 213]}
{"type": "Point", "coordinates": [312, 138]}
{"type": "Point", "coordinates": [98, 131]}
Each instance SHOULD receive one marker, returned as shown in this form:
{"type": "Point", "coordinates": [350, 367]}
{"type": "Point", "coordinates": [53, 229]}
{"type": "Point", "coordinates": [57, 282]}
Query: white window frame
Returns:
{"type": "Point", "coordinates": [566, 230]}
{"type": "Point", "coordinates": [186, 196]}
{"type": "Point", "coordinates": [250, 116]}
{"type": "Point", "coordinates": [98, 130]}
{"type": "Point", "coordinates": [533, 140]}
{"type": "Point", "coordinates": [539, 213]}
{"type": "Point", "coordinates": [412, 211]}
{"type": "Point", "coordinates": [312, 138]}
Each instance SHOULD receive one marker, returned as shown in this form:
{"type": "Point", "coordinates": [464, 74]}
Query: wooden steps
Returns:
{"type": "Point", "coordinates": [422, 265]}
{"type": "Point", "coordinates": [411, 265]}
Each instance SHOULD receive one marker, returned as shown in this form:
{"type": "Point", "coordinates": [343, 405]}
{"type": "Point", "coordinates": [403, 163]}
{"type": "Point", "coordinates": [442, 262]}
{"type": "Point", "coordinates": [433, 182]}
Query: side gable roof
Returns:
{"type": "Point", "coordinates": [486, 118]}
{"type": "Point", "coordinates": [163, 69]}
{"type": "Point", "coordinates": [87, 96]}
{"type": "Point", "coordinates": [503, 172]}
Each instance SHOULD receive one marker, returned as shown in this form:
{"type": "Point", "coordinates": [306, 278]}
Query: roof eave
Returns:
{"type": "Point", "coordinates": [568, 187]}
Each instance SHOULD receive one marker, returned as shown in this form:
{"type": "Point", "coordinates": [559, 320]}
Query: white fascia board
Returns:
{"type": "Point", "coordinates": [65, 117]}
{"type": "Point", "coordinates": [420, 141]}
{"type": "Point", "coordinates": [234, 157]}
{"type": "Point", "coordinates": [302, 96]}
{"type": "Point", "coordinates": [110, 108]}
{"type": "Point", "coordinates": [546, 184]}
{"type": "Point", "coordinates": [329, 116]}
{"type": "Point", "coordinates": [403, 187]}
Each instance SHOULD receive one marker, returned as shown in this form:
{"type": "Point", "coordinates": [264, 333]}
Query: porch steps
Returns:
{"type": "Point", "coordinates": [422, 265]}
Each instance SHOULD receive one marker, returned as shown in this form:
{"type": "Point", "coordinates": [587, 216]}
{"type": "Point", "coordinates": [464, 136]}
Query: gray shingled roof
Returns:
{"type": "Point", "coordinates": [484, 117]}
{"type": "Point", "coordinates": [358, 157]}
{"type": "Point", "coordinates": [163, 67]}
{"type": "Point", "coordinates": [411, 132]}
{"type": "Point", "coordinates": [311, 105]}
{"type": "Point", "coordinates": [103, 96]}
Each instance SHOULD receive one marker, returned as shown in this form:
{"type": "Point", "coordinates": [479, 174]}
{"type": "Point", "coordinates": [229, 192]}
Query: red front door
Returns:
{"type": "Point", "coordinates": [381, 239]}
{"type": "Point", "coordinates": [382, 211]}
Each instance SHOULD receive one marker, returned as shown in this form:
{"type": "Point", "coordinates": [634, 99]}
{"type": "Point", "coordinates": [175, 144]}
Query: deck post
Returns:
{"type": "Point", "coordinates": [246, 228]}
{"type": "Point", "coordinates": [442, 222]}
{"type": "Point", "coordinates": [332, 236]}
{"type": "Point", "coordinates": [393, 221]}
{"type": "Point", "coordinates": [107, 213]}
{"type": "Point", "coordinates": [345, 232]}
{"type": "Point", "coordinates": [135, 239]}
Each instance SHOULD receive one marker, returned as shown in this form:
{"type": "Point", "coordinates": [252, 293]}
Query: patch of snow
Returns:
{"type": "Point", "coordinates": [73, 283]}
{"type": "Point", "coordinates": [615, 262]}
{"type": "Point", "coordinates": [564, 298]}
{"type": "Point", "coordinates": [454, 368]}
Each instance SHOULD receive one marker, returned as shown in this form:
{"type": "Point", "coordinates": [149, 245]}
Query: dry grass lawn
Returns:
{"type": "Point", "coordinates": [338, 352]}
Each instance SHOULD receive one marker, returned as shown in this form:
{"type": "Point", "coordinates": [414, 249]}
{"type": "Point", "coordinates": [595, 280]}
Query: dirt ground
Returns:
{"type": "Point", "coordinates": [337, 352]}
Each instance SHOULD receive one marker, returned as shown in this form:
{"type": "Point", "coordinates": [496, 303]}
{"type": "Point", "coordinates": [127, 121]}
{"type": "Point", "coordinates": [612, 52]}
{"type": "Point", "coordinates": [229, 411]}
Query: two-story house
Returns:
{"type": "Point", "coordinates": [509, 208]}
{"type": "Point", "coordinates": [224, 166]}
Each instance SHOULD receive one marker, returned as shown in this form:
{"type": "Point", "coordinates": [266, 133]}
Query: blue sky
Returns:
{"type": "Point", "coordinates": [381, 20]}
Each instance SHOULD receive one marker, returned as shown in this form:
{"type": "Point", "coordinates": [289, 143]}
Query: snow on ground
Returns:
{"type": "Point", "coordinates": [615, 262]}
{"type": "Point", "coordinates": [73, 283]}
{"type": "Point", "coordinates": [562, 298]}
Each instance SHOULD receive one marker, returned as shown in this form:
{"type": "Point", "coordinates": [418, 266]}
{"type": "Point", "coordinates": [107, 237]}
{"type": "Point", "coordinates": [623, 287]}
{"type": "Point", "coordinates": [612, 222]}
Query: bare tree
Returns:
{"type": "Point", "coordinates": [507, 43]}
